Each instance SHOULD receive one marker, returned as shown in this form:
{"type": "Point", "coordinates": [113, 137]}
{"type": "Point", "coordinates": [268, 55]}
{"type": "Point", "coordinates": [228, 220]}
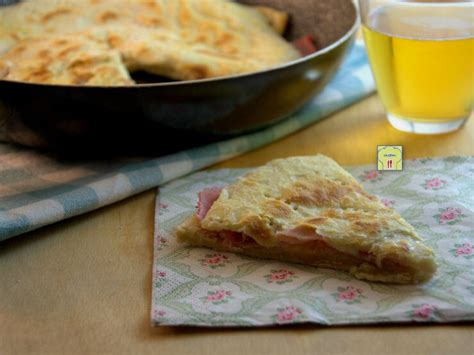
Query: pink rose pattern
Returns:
{"type": "Point", "coordinates": [348, 295]}
{"type": "Point", "coordinates": [422, 312]}
{"type": "Point", "coordinates": [288, 314]}
{"type": "Point", "coordinates": [387, 202]}
{"type": "Point", "coordinates": [217, 297]}
{"type": "Point", "coordinates": [280, 277]}
{"type": "Point", "coordinates": [160, 242]}
{"type": "Point", "coordinates": [160, 277]}
{"type": "Point", "coordinates": [434, 184]}
{"type": "Point", "coordinates": [465, 250]}
{"type": "Point", "coordinates": [449, 215]}
{"type": "Point", "coordinates": [215, 261]}
{"type": "Point", "coordinates": [371, 175]}
{"type": "Point", "coordinates": [162, 208]}
{"type": "Point", "coordinates": [158, 313]}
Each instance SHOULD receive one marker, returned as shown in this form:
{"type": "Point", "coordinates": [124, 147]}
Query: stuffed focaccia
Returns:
{"type": "Point", "coordinates": [309, 210]}
{"type": "Point", "coordinates": [179, 39]}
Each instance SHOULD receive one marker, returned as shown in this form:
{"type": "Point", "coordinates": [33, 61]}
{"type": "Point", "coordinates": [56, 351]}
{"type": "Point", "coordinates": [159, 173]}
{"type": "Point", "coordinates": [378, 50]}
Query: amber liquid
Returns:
{"type": "Point", "coordinates": [423, 60]}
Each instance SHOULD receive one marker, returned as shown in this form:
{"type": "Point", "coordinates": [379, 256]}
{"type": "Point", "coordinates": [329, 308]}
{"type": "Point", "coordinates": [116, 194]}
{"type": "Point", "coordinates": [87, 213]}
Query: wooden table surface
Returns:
{"type": "Point", "coordinates": [84, 285]}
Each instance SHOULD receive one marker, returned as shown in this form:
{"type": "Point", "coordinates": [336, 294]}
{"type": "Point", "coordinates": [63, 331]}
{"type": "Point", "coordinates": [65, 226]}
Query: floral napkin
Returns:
{"type": "Point", "coordinates": [201, 287]}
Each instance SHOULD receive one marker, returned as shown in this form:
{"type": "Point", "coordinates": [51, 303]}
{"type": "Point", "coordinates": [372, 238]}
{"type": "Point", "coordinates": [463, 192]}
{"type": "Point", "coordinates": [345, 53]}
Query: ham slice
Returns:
{"type": "Point", "coordinates": [206, 199]}
{"type": "Point", "coordinates": [305, 45]}
{"type": "Point", "coordinates": [299, 235]}
{"type": "Point", "coordinates": [237, 239]}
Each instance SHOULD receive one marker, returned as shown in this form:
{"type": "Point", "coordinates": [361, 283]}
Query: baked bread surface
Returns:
{"type": "Point", "coordinates": [179, 39]}
{"type": "Point", "coordinates": [81, 59]}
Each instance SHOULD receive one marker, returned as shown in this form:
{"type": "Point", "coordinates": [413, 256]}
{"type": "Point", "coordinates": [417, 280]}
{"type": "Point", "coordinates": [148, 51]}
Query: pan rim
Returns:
{"type": "Point", "coordinates": [186, 83]}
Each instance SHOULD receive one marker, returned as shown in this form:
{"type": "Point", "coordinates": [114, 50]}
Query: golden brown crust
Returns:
{"type": "Point", "coordinates": [301, 187]}
{"type": "Point", "coordinates": [315, 195]}
{"type": "Point", "coordinates": [79, 59]}
{"type": "Point", "coordinates": [180, 39]}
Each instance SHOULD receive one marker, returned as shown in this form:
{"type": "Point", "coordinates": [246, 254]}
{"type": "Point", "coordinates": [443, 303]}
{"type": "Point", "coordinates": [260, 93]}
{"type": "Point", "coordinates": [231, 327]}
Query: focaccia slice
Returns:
{"type": "Point", "coordinates": [310, 210]}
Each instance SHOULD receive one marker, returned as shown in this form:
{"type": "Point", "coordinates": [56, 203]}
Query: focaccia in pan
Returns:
{"type": "Point", "coordinates": [178, 39]}
{"type": "Point", "coordinates": [309, 210]}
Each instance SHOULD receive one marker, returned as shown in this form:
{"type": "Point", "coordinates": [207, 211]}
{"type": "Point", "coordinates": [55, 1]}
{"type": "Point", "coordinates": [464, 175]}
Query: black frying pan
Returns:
{"type": "Point", "coordinates": [167, 116]}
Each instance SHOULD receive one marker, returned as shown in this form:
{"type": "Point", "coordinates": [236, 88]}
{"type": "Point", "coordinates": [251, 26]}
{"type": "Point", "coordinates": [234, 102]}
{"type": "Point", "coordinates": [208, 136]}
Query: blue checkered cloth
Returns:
{"type": "Point", "coordinates": [36, 190]}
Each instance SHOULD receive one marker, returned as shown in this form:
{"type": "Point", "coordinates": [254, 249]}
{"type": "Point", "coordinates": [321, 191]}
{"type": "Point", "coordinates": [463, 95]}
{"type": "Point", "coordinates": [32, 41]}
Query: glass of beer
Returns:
{"type": "Point", "coordinates": [422, 58]}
